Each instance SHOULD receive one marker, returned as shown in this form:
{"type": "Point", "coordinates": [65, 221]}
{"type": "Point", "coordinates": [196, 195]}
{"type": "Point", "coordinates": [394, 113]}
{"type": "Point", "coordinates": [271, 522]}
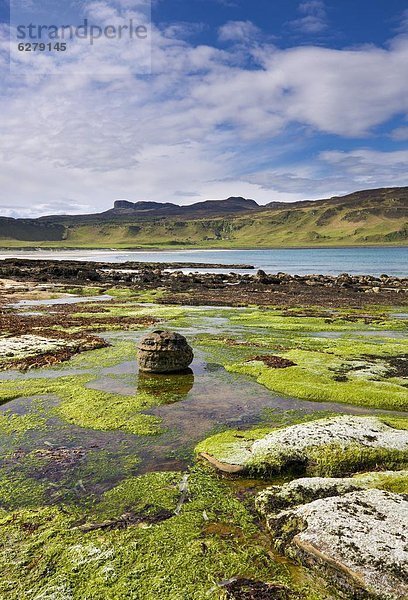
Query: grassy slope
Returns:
{"type": "Point", "coordinates": [356, 220]}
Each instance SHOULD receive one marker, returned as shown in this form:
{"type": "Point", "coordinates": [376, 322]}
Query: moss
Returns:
{"type": "Point", "coordinates": [212, 539]}
{"type": "Point", "coordinates": [391, 481]}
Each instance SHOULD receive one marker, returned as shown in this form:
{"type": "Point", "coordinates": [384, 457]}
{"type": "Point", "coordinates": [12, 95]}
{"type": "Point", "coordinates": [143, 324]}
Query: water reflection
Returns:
{"type": "Point", "coordinates": [169, 388]}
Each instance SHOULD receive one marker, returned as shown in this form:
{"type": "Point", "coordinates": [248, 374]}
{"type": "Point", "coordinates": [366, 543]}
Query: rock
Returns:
{"type": "Point", "coordinates": [164, 352]}
{"type": "Point", "coordinates": [307, 489]}
{"type": "Point", "coordinates": [311, 448]}
{"type": "Point", "coordinates": [357, 540]}
{"type": "Point", "coordinates": [276, 498]}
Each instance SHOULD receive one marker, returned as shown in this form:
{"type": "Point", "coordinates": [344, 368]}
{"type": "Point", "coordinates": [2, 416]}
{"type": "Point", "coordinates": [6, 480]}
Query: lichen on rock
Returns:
{"type": "Point", "coordinates": [357, 540]}
{"type": "Point", "coordinates": [276, 498]}
{"type": "Point", "coordinates": [332, 446]}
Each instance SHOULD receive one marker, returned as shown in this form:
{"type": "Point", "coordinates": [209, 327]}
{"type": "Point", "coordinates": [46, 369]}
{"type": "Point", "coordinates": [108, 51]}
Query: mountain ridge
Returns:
{"type": "Point", "coordinates": [376, 216]}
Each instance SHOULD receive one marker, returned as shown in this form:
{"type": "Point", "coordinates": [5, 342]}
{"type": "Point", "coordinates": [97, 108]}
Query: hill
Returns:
{"type": "Point", "coordinates": [367, 217]}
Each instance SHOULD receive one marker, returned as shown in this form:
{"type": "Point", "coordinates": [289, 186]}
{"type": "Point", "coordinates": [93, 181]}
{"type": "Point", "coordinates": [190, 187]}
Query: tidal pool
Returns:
{"type": "Point", "coordinates": [189, 407]}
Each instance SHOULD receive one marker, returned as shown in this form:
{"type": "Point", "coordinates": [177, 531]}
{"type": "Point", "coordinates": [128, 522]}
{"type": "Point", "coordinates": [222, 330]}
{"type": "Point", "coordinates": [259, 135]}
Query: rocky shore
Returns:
{"type": "Point", "coordinates": [350, 530]}
{"type": "Point", "coordinates": [232, 289]}
{"type": "Point", "coordinates": [100, 483]}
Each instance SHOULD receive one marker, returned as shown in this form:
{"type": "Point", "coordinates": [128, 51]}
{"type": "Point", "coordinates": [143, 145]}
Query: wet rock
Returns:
{"type": "Point", "coordinates": [164, 352]}
{"type": "Point", "coordinates": [357, 540]}
{"type": "Point", "coordinates": [301, 448]}
{"type": "Point", "coordinates": [276, 498]}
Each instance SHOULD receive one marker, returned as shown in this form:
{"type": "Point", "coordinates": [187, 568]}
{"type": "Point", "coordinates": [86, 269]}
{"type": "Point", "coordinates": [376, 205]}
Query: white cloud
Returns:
{"type": "Point", "coordinates": [202, 122]}
{"type": "Point", "coordinates": [314, 20]}
{"type": "Point", "coordinates": [370, 168]}
{"type": "Point", "coordinates": [400, 134]}
{"type": "Point", "coordinates": [239, 31]}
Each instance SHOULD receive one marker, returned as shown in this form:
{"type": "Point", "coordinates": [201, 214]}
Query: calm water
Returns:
{"type": "Point", "coordinates": [330, 261]}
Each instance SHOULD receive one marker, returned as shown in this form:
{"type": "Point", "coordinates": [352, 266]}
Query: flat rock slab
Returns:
{"type": "Point", "coordinates": [29, 345]}
{"type": "Point", "coordinates": [358, 540]}
{"type": "Point", "coordinates": [298, 446]}
{"type": "Point", "coordinates": [276, 498]}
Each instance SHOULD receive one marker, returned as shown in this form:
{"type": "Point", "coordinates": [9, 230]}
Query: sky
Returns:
{"type": "Point", "coordinates": [274, 100]}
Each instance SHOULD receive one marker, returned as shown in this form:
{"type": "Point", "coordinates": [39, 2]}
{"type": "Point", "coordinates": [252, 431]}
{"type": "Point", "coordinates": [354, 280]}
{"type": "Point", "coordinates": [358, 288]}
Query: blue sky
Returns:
{"type": "Point", "coordinates": [274, 100]}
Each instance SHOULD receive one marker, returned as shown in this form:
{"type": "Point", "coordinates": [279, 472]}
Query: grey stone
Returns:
{"type": "Point", "coordinates": [164, 352]}
{"type": "Point", "coordinates": [298, 445]}
{"type": "Point", "coordinates": [358, 540]}
{"type": "Point", "coordinates": [276, 498]}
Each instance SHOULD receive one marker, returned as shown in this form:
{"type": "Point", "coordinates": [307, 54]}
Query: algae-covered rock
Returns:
{"type": "Point", "coordinates": [301, 491]}
{"type": "Point", "coordinates": [358, 540]}
{"type": "Point", "coordinates": [331, 446]}
{"type": "Point", "coordinates": [307, 489]}
{"type": "Point", "coordinates": [164, 352]}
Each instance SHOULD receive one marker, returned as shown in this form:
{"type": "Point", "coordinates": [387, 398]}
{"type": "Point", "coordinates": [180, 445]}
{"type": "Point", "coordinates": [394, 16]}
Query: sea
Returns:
{"type": "Point", "coordinates": [375, 261]}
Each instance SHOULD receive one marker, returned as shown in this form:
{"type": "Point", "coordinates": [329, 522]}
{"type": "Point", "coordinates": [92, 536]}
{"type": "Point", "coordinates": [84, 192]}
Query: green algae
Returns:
{"type": "Point", "coordinates": [71, 476]}
{"type": "Point", "coordinates": [347, 370]}
{"type": "Point", "coordinates": [138, 295]}
{"type": "Point", "coordinates": [319, 385]}
{"type": "Point", "coordinates": [14, 424]}
{"type": "Point", "coordinates": [275, 319]}
{"type": "Point", "coordinates": [395, 422]}
{"type": "Point", "coordinates": [19, 491]}
{"type": "Point", "coordinates": [212, 538]}
{"type": "Point", "coordinates": [136, 310]}
{"type": "Point", "coordinates": [119, 352]}
{"type": "Point", "coordinates": [101, 410]}
{"type": "Point", "coordinates": [90, 408]}
{"type": "Point", "coordinates": [85, 291]}
{"type": "Point", "coordinates": [335, 460]}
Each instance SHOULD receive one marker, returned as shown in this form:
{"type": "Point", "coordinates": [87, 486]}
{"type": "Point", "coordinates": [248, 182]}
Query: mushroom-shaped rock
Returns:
{"type": "Point", "coordinates": [164, 352]}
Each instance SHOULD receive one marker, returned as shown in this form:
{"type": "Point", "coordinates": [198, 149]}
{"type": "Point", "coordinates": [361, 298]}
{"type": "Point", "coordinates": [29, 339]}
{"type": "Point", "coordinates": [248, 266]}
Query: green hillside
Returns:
{"type": "Point", "coordinates": [371, 217]}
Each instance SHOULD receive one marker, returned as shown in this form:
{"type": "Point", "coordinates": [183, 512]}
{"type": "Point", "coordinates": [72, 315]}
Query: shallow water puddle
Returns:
{"type": "Point", "coordinates": [63, 300]}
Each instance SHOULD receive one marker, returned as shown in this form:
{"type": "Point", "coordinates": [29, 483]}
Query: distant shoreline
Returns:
{"type": "Point", "coordinates": [190, 248]}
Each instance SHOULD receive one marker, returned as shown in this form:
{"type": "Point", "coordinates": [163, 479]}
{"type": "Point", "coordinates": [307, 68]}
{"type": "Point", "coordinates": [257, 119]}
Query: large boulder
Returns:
{"type": "Point", "coordinates": [358, 540]}
{"type": "Point", "coordinates": [164, 352]}
{"type": "Point", "coordinates": [332, 446]}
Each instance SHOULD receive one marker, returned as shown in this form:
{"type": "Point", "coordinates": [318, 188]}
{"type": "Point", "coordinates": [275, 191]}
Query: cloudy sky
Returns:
{"type": "Point", "coordinates": [272, 100]}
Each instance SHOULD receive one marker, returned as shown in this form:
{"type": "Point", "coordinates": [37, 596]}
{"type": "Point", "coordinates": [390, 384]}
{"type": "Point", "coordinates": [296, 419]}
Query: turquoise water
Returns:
{"type": "Point", "coordinates": [327, 261]}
